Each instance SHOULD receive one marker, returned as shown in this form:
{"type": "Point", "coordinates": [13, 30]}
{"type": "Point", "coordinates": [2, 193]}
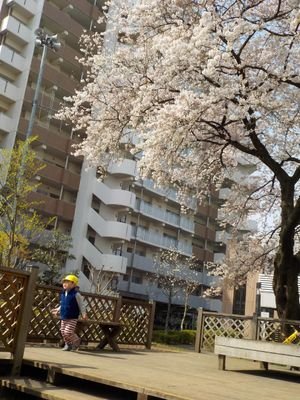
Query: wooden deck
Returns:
{"type": "Point", "coordinates": [150, 375]}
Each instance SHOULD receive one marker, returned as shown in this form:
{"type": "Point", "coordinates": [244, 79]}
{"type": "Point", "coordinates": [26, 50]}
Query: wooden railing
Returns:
{"type": "Point", "coordinates": [25, 315]}
{"type": "Point", "coordinates": [135, 316]}
{"type": "Point", "coordinates": [210, 325]}
{"type": "Point", "coordinates": [16, 297]}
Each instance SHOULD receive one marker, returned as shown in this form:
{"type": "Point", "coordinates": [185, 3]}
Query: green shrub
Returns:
{"type": "Point", "coordinates": [174, 337]}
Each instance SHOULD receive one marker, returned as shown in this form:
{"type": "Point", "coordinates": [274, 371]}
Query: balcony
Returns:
{"type": "Point", "coordinates": [56, 144]}
{"type": "Point", "coordinates": [6, 123]}
{"type": "Point", "coordinates": [82, 11]}
{"type": "Point", "coordinates": [203, 254]}
{"type": "Point", "coordinates": [187, 224]}
{"type": "Point", "coordinates": [123, 168]}
{"type": "Point", "coordinates": [169, 194]}
{"type": "Point", "coordinates": [27, 8]}
{"type": "Point", "coordinates": [19, 31]}
{"type": "Point", "coordinates": [113, 197]}
{"type": "Point", "coordinates": [55, 175]}
{"type": "Point", "coordinates": [105, 262]}
{"type": "Point", "coordinates": [12, 59]}
{"type": "Point", "coordinates": [161, 241]}
{"type": "Point", "coordinates": [141, 263]}
{"type": "Point", "coordinates": [53, 207]}
{"type": "Point", "coordinates": [9, 91]}
{"type": "Point", "coordinates": [59, 20]}
{"type": "Point", "coordinates": [53, 77]}
{"type": "Point", "coordinates": [165, 216]}
{"type": "Point", "coordinates": [223, 236]}
{"type": "Point", "coordinates": [109, 229]}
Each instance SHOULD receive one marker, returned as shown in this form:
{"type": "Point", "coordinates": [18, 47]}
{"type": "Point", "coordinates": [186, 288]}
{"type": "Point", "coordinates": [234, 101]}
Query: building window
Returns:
{"type": "Point", "coordinates": [137, 279]}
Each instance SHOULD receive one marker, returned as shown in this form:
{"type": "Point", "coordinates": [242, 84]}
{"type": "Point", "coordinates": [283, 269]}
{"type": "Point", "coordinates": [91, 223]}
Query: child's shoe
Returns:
{"type": "Point", "coordinates": [67, 347]}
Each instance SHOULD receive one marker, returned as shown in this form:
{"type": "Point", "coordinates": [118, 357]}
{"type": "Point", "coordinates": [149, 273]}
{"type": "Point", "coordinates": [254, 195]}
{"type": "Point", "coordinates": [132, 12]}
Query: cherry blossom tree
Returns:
{"type": "Point", "coordinates": [192, 86]}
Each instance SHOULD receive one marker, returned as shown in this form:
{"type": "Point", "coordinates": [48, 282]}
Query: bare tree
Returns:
{"type": "Point", "coordinates": [176, 275]}
{"type": "Point", "coordinates": [102, 282]}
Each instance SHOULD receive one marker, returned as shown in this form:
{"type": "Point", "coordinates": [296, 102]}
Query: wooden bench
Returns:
{"type": "Point", "coordinates": [110, 329]}
{"type": "Point", "coordinates": [255, 350]}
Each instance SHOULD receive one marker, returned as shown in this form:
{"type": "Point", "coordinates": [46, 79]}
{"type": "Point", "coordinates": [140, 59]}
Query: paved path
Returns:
{"type": "Point", "coordinates": [181, 375]}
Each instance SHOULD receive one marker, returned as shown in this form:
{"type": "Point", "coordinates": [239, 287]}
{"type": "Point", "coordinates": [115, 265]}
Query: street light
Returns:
{"type": "Point", "coordinates": [45, 41]}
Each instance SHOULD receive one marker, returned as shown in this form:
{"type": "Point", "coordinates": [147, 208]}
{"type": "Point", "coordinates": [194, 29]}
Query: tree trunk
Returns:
{"type": "Point", "coordinates": [285, 285]}
{"type": "Point", "coordinates": [168, 311]}
{"type": "Point", "coordinates": [186, 297]}
{"type": "Point", "coordinates": [286, 263]}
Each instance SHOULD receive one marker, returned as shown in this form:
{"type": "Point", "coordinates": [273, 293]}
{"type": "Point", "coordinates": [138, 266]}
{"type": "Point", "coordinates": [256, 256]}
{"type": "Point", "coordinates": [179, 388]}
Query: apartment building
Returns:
{"type": "Point", "coordinates": [241, 300]}
{"type": "Point", "coordinates": [19, 68]}
{"type": "Point", "coordinates": [118, 225]}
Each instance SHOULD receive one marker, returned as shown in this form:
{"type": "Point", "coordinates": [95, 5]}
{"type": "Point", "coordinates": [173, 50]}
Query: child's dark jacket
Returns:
{"type": "Point", "coordinates": [68, 305]}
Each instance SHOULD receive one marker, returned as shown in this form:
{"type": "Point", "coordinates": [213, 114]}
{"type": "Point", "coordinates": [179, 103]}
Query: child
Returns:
{"type": "Point", "coordinates": [71, 306]}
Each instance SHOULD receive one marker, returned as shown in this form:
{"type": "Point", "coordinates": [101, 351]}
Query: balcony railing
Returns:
{"type": "Point", "coordinates": [165, 216]}
{"type": "Point", "coordinates": [20, 31]}
{"type": "Point", "coordinates": [6, 123]}
{"type": "Point", "coordinates": [162, 241]}
{"type": "Point", "coordinates": [28, 8]}
{"type": "Point", "coordinates": [8, 90]}
{"type": "Point", "coordinates": [12, 59]}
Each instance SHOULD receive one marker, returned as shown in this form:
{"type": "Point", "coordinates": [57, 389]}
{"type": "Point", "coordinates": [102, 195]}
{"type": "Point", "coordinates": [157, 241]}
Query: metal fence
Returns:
{"type": "Point", "coordinates": [210, 325]}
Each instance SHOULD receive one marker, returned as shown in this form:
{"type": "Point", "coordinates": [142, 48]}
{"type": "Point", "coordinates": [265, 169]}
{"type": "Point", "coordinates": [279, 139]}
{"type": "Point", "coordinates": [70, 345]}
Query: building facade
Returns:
{"type": "Point", "coordinates": [117, 225]}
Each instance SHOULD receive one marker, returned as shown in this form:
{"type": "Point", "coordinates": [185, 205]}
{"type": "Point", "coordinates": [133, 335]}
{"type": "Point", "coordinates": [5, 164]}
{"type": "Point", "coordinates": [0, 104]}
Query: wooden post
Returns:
{"type": "Point", "coordinates": [142, 396]}
{"type": "Point", "coordinates": [199, 333]}
{"type": "Point", "coordinates": [254, 329]}
{"type": "Point", "coordinates": [26, 313]}
{"type": "Point", "coordinates": [222, 362]}
{"type": "Point", "coordinates": [117, 310]}
{"type": "Point", "coordinates": [150, 325]}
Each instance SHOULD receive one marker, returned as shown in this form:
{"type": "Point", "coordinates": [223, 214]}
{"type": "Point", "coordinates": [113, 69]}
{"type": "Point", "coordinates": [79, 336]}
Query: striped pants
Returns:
{"type": "Point", "coordinates": [67, 330]}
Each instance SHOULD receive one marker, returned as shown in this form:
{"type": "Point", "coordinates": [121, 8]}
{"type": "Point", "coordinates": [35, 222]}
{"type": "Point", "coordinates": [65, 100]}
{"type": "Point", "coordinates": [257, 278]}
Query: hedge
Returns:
{"type": "Point", "coordinates": [174, 337]}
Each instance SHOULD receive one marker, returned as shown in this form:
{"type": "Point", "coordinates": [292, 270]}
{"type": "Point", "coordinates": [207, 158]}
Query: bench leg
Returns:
{"type": "Point", "coordinates": [54, 377]}
{"type": "Point", "coordinates": [142, 396]}
{"type": "Point", "coordinates": [222, 362]}
{"type": "Point", "coordinates": [110, 334]}
{"type": "Point", "coordinates": [264, 365]}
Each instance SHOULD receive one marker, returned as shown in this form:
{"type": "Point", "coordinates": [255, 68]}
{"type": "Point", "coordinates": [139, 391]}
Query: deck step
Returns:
{"type": "Point", "coordinates": [48, 391]}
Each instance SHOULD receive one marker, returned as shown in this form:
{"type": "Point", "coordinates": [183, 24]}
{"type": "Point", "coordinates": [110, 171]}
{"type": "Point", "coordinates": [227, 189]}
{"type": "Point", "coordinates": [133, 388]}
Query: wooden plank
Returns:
{"type": "Point", "coordinates": [56, 375]}
{"type": "Point", "coordinates": [260, 345]}
{"type": "Point", "coordinates": [169, 375]}
{"type": "Point", "coordinates": [47, 391]}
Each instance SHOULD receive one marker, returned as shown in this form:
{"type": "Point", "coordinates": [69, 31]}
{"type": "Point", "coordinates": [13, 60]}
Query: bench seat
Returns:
{"type": "Point", "coordinates": [255, 350]}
